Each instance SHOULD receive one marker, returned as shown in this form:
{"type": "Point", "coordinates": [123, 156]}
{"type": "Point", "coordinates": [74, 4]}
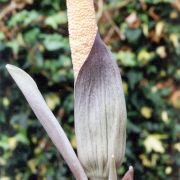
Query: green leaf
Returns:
{"type": "Point", "coordinates": [2, 36]}
{"type": "Point", "coordinates": [144, 57]}
{"type": "Point", "coordinates": [2, 117]}
{"type": "Point", "coordinates": [19, 120]}
{"type": "Point", "coordinates": [3, 1]}
{"type": "Point", "coordinates": [23, 18]}
{"type": "Point", "coordinates": [133, 35]}
{"type": "Point", "coordinates": [57, 19]}
{"type": "Point", "coordinates": [134, 77]}
{"type": "Point", "coordinates": [31, 36]}
{"type": "Point", "coordinates": [54, 42]}
{"type": "Point", "coordinates": [14, 45]}
{"type": "Point", "coordinates": [158, 1]}
{"type": "Point", "coordinates": [21, 137]}
{"type": "Point", "coordinates": [127, 58]}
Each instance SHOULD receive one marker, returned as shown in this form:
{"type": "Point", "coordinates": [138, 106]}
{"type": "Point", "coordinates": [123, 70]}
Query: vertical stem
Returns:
{"type": "Point", "coordinates": [82, 30]}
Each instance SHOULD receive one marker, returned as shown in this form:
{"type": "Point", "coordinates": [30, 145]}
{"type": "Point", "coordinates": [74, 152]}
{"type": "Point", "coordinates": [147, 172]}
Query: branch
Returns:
{"type": "Point", "coordinates": [12, 7]}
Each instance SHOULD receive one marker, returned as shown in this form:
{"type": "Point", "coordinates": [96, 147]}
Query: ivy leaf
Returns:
{"type": "Point", "coordinates": [56, 20]}
{"type": "Point", "coordinates": [133, 35]}
{"type": "Point", "coordinates": [1, 36]}
{"type": "Point", "coordinates": [127, 58]}
{"type": "Point", "coordinates": [134, 77]}
{"type": "Point", "coordinates": [31, 36]}
{"type": "Point", "coordinates": [23, 17]}
{"type": "Point", "coordinates": [54, 42]}
{"type": "Point", "coordinates": [158, 1]}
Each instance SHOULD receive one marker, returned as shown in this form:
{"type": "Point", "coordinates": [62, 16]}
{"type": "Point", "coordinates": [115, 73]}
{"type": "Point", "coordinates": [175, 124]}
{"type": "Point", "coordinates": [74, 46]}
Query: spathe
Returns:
{"type": "Point", "coordinates": [47, 119]}
{"type": "Point", "coordinates": [100, 113]}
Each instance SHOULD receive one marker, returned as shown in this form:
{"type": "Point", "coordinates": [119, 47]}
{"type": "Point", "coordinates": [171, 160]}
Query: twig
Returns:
{"type": "Point", "coordinates": [106, 11]}
{"type": "Point", "coordinates": [100, 10]}
{"type": "Point", "coordinates": [10, 8]}
{"type": "Point", "coordinates": [109, 35]}
{"type": "Point", "coordinates": [116, 28]}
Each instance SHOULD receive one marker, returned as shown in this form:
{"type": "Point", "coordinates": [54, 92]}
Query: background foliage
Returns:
{"type": "Point", "coordinates": [144, 37]}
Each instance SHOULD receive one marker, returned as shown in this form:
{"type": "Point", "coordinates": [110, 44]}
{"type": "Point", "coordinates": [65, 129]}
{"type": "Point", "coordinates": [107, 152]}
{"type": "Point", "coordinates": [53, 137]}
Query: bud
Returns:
{"type": "Point", "coordinates": [100, 113]}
